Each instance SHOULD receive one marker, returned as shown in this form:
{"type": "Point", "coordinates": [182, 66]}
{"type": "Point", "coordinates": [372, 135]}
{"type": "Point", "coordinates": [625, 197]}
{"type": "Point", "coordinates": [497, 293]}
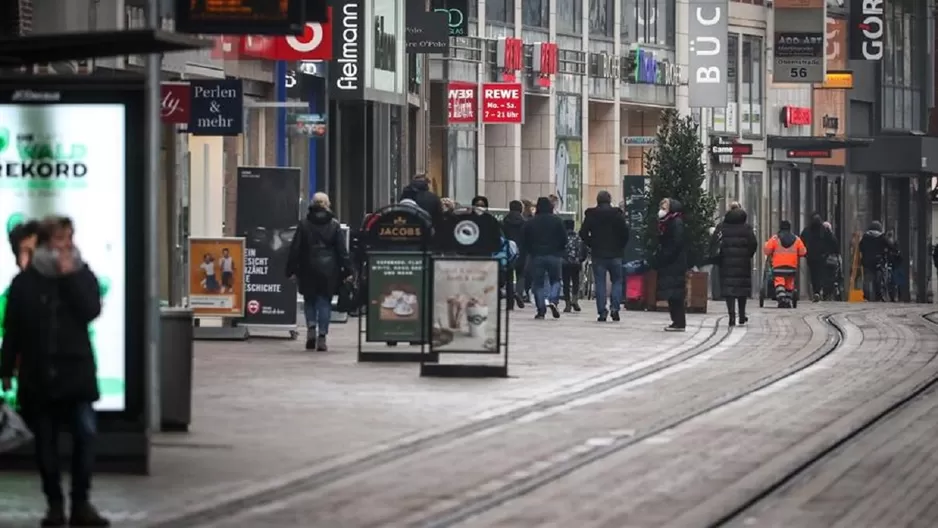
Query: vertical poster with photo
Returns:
{"type": "Point", "coordinates": [267, 215]}
{"type": "Point", "coordinates": [396, 297]}
{"type": "Point", "coordinates": [216, 276]}
{"type": "Point", "coordinates": [51, 163]}
{"type": "Point", "coordinates": [636, 207]}
{"type": "Point", "coordinates": [465, 306]}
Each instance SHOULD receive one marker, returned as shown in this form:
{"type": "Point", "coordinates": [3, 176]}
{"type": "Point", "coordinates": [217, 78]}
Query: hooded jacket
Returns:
{"type": "Point", "coordinates": [785, 248]}
{"type": "Point", "coordinates": [819, 242]}
{"type": "Point", "coordinates": [544, 235]}
{"type": "Point", "coordinates": [872, 246]}
{"type": "Point", "coordinates": [737, 244]}
{"type": "Point", "coordinates": [670, 259]}
{"type": "Point", "coordinates": [512, 225]}
{"type": "Point", "coordinates": [318, 257]}
{"type": "Point", "coordinates": [419, 191]}
{"type": "Point", "coordinates": [605, 231]}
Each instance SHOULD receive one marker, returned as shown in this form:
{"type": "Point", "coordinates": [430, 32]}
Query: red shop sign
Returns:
{"type": "Point", "coordinates": [463, 102]}
{"type": "Point", "coordinates": [314, 44]}
{"type": "Point", "coordinates": [501, 103]}
{"type": "Point", "coordinates": [175, 101]}
{"type": "Point", "coordinates": [796, 116]}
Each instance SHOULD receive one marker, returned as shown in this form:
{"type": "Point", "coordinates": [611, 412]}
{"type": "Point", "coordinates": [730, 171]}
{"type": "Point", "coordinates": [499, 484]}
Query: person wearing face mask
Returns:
{"type": "Point", "coordinates": [670, 261]}
{"type": "Point", "coordinates": [50, 306]}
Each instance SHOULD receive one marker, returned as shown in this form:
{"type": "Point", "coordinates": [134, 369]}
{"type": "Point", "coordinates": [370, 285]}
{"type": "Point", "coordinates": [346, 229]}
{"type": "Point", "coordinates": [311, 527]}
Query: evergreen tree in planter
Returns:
{"type": "Point", "coordinates": [675, 169]}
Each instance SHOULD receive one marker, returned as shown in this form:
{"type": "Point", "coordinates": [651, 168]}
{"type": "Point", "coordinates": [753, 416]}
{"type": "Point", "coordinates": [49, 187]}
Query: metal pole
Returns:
{"type": "Point", "coordinates": [151, 224]}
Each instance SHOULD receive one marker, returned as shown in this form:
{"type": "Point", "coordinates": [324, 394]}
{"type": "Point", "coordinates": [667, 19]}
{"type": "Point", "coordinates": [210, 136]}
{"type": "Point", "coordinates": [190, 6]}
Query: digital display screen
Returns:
{"type": "Point", "coordinates": [51, 162]}
{"type": "Point", "coordinates": [240, 17]}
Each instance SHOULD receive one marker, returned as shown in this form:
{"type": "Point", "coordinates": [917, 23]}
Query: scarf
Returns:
{"type": "Point", "coordinates": [663, 223]}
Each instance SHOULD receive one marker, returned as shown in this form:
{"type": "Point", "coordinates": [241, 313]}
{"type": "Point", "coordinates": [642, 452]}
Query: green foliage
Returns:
{"type": "Point", "coordinates": [675, 169]}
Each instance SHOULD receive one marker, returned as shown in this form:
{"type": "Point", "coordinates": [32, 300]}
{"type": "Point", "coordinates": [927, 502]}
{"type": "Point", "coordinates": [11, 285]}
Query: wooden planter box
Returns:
{"type": "Point", "coordinates": [698, 285]}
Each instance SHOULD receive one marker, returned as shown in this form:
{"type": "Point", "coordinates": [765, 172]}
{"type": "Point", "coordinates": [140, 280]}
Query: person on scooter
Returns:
{"type": "Point", "coordinates": [784, 250]}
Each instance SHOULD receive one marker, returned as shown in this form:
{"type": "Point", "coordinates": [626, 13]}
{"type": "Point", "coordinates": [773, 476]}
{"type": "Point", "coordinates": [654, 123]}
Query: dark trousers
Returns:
{"type": "Point", "coordinates": [570, 274]}
{"type": "Point", "coordinates": [678, 312]}
{"type": "Point", "coordinates": [46, 423]}
{"type": "Point", "coordinates": [732, 302]}
{"type": "Point", "coordinates": [818, 273]}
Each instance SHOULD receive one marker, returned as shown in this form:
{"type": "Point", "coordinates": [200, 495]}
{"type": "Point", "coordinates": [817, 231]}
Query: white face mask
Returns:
{"type": "Point", "coordinates": [662, 213]}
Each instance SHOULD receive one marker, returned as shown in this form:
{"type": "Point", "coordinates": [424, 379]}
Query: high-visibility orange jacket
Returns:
{"type": "Point", "coordinates": [785, 249]}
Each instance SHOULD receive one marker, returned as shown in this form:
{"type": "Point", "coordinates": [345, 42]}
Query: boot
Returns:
{"type": "Point", "coordinates": [732, 319]}
{"type": "Point", "coordinates": [310, 338]}
{"type": "Point", "coordinates": [567, 307]}
{"type": "Point", "coordinates": [321, 344]}
{"type": "Point", "coordinates": [55, 516]}
{"type": "Point", "coordinates": [84, 514]}
{"type": "Point", "coordinates": [576, 306]}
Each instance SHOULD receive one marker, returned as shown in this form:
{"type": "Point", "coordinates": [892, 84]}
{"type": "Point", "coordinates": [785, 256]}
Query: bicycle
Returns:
{"type": "Point", "coordinates": [587, 288]}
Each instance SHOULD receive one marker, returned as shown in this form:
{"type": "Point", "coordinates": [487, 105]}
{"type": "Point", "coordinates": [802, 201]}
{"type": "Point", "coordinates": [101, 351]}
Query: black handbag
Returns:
{"type": "Point", "coordinates": [347, 295]}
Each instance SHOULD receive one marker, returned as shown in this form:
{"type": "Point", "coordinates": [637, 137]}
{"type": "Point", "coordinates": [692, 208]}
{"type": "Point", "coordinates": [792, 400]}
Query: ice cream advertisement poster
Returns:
{"type": "Point", "coordinates": [465, 306]}
{"type": "Point", "coordinates": [67, 159]}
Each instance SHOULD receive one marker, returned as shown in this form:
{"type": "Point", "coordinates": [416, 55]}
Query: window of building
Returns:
{"type": "Point", "coordinates": [648, 22]}
{"type": "Point", "coordinates": [732, 72]}
{"type": "Point", "coordinates": [499, 11]}
{"type": "Point", "coordinates": [534, 13]}
{"type": "Point", "coordinates": [750, 87]}
{"type": "Point", "coordinates": [903, 71]}
{"type": "Point", "coordinates": [570, 16]}
{"type": "Point", "coordinates": [600, 17]}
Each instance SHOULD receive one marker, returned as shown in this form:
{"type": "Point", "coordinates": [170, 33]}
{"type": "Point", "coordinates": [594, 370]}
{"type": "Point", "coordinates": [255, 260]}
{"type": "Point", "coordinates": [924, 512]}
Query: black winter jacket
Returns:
{"type": "Point", "coordinates": [513, 225]}
{"type": "Point", "coordinates": [419, 191]}
{"type": "Point", "coordinates": [737, 243]}
{"type": "Point", "coordinates": [46, 327]}
{"type": "Point", "coordinates": [543, 235]}
{"type": "Point", "coordinates": [605, 231]}
{"type": "Point", "coordinates": [670, 259]}
{"type": "Point", "coordinates": [872, 248]}
{"type": "Point", "coordinates": [318, 257]}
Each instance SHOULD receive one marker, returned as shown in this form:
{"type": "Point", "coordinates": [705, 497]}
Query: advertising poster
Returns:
{"type": "Point", "coordinates": [51, 164]}
{"type": "Point", "coordinates": [636, 207]}
{"type": "Point", "coordinates": [395, 297]}
{"type": "Point", "coordinates": [216, 276]}
{"type": "Point", "coordinates": [465, 306]}
{"type": "Point", "coordinates": [267, 216]}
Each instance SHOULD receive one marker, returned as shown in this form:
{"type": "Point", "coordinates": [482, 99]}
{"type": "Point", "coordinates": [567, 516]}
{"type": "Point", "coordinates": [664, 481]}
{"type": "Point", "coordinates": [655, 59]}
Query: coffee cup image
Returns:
{"type": "Point", "coordinates": [477, 315]}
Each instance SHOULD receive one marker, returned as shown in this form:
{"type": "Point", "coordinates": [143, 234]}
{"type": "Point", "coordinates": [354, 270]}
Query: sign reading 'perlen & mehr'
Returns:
{"type": "Point", "coordinates": [502, 103]}
{"type": "Point", "coordinates": [216, 108]}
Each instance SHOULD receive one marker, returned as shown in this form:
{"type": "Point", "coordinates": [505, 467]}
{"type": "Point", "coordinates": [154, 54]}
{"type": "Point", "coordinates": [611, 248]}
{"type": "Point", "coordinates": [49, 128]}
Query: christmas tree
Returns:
{"type": "Point", "coordinates": [675, 169]}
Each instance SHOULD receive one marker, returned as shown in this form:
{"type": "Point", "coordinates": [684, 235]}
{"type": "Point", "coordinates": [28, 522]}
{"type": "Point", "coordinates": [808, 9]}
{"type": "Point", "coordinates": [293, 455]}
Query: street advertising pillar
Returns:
{"type": "Point", "coordinates": [267, 215]}
{"type": "Point", "coordinates": [469, 334]}
{"type": "Point", "coordinates": [396, 258]}
{"type": "Point", "coordinates": [74, 147]}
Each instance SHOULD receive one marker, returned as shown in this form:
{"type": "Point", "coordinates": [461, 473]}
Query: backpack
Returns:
{"type": "Point", "coordinates": [572, 251]}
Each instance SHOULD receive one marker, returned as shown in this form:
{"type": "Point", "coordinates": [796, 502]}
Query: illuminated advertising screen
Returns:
{"type": "Point", "coordinates": [69, 159]}
{"type": "Point", "coordinates": [241, 17]}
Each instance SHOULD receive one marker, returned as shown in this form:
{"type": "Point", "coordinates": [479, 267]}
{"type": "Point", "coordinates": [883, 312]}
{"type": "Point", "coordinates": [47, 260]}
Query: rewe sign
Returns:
{"type": "Point", "coordinates": [867, 29]}
{"type": "Point", "coordinates": [462, 103]}
{"type": "Point", "coordinates": [502, 103]}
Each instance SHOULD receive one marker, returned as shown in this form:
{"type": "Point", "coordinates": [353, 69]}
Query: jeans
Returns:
{"type": "Point", "coordinates": [571, 282]}
{"type": "Point", "coordinates": [318, 312]}
{"type": "Point", "coordinates": [46, 423]}
{"type": "Point", "coordinates": [678, 312]}
{"type": "Point", "coordinates": [613, 266]}
{"type": "Point", "coordinates": [546, 273]}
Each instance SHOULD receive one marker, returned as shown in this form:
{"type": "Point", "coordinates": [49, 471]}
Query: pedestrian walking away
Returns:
{"type": "Point", "coordinates": [512, 226]}
{"type": "Point", "coordinates": [785, 250]}
{"type": "Point", "coordinates": [544, 239]}
{"type": "Point", "coordinates": [319, 262]}
{"type": "Point", "coordinates": [573, 257]}
{"type": "Point", "coordinates": [420, 192]}
{"type": "Point", "coordinates": [605, 232]}
{"type": "Point", "coordinates": [820, 244]}
{"type": "Point", "coordinates": [736, 244]}
{"type": "Point", "coordinates": [47, 346]}
{"type": "Point", "coordinates": [873, 247]}
{"type": "Point", "coordinates": [670, 262]}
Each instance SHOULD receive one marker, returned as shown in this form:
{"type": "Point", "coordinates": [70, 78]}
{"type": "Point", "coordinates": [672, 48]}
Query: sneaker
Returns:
{"type": "Point", "coordinates": [601, 317]}
{"type": "Point", "coordinates": [321, 344]}
{"type": "Point", "coordinates": [519, 300]}
{"type": "Point", "coordinates": [673, 328]}
{"type": "Point", "coordinates": [615, 316]}
{"type": "Point", "coordinates": [554, 311]}
{"type": "Point", "coordinates": [55, 516]}
{"type": "Point", "coordinates": [538, 317]}
{"type": "Point", "coordinates": [84, 514]}
{"type": "Point", "coordinates": [576, 306]}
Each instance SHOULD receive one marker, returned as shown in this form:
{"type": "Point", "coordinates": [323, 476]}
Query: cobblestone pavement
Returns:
{"type": "Point", "coordinates": [267, 410]}
{"type": "Point", "coordinates": [607, 425]}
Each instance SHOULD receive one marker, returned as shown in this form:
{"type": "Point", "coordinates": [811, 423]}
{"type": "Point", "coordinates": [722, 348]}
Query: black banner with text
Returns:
{"type": "Point", "coordinates": [267, 216]}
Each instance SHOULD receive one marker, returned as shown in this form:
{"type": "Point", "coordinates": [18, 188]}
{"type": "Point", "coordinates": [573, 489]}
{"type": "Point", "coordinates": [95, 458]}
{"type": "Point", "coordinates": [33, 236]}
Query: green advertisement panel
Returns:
{"type": "Point", "coordinates": [396, 297]}
{"type": "Point", "coordinates": [51, 162]}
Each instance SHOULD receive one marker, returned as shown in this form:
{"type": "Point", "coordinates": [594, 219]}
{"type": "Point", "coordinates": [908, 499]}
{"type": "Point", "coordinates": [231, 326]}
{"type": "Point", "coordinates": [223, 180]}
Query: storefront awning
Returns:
{"type": "Point", "coordinates": [38, 49]}
{"type": "Point", "coordinates": [897, 155]}
{"type": "Point", "coordinates": [815, 142]}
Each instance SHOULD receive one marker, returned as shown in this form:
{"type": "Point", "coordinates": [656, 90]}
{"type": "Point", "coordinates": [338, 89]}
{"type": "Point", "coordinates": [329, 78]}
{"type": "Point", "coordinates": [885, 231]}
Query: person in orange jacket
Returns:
{"type": "Point", "coordinates": [785, 249]}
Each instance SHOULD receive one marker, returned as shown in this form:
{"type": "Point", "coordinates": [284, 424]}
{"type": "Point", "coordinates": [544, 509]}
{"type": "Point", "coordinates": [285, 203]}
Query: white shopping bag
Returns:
{"type": "Point", "coordinates": [13, 430]}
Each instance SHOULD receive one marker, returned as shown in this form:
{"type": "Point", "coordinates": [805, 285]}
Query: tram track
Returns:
{"type": "Point", "coordinates": [233, 506]}
{"type": "Point", "coordinates": [815, 459]}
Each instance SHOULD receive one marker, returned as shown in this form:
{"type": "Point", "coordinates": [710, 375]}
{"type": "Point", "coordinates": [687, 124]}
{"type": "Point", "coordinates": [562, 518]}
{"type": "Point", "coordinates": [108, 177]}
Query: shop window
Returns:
{"type": "Point", "coordinates": [534, 13]}
{"type": "Point", "coordinates": [902, 77]}
{"type": "Point", "coordinates": [600, 17]}
{"type": "Point", "coordinates": [750, 87]}
{"type": "Point", "coordinates": [499, 11]}
{"type": "Point", "coordinates": [647, 22]}
{"type": "Point", "coordinates": [570, 16]}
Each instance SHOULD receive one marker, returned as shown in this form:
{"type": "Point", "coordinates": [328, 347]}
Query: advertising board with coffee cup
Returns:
{"type": "Point", "coordinates": [465, 306]}
{"type": "Point", "coordinates": [396, 297]}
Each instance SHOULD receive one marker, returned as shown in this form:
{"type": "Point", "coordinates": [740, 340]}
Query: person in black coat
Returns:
{"type": "Point", "coordinates": [737, 244]}
{"type": "Point", "coordinates": [512, 226]}
{"type": "Point", "coordinates": [49, 307]}
{"type": "Point", "coordinates": [543, 241]}
{"type": "Point", "coordinates": [820, 243]}
{"type": "Point", "coordinates": [873, 247]}
{"type": "Point", "coordinates": [419, 191]}
{"type": "Point", "coordinates": [605, 232]}
{"type": "Point", "coordinates": [670, 261]}
{"type": "Point", "coordinates": [319, 261]}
